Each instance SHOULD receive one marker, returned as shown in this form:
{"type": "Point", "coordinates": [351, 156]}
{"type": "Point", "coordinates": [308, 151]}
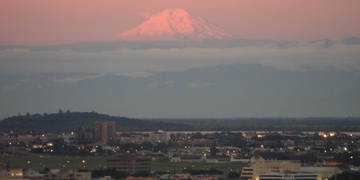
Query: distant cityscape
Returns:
{"type": "Point", "coordinates": [256, 155]}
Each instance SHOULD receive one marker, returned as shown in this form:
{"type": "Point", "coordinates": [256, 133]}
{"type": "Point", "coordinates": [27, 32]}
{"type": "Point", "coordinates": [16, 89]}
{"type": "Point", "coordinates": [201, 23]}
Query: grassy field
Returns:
{"type": "Point", "coordinates": [98, 162]}
{"type": "Point", "coordinates": [56, 162]}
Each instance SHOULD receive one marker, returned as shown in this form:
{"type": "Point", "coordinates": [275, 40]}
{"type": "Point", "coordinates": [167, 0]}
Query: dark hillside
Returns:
{"type": "Point", "coordinates": [66, 122]}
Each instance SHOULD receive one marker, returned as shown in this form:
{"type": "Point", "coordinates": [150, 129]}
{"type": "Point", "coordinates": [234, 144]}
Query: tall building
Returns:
{"type": "Point", "coordinates": [55, 174]}
{"type": "Point", "coordinates": [130, 164]}
{"type": "Point", "coordinates": [83, 133]}
{"type": "Point", "coordinates": [159, 137]}
{"type": "Point", "coordinates": [213, 150]}
{"type": "Point", "coordinates": [104, 131]}
{"type": "Point", "coordinates": [263, 166]}
{"type": "Point", "coordinates": [257, 168]}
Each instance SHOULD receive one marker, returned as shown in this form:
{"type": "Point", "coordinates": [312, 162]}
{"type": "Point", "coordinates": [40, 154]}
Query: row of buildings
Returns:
{"type": "Point", "coordinates": [19, 173]}
{"type": "Point", "coordinates": [103, 131]}
{"type": "Point", "coordinates": [129, 163]}
{"type": "Point", "coordinates": [271, 166]}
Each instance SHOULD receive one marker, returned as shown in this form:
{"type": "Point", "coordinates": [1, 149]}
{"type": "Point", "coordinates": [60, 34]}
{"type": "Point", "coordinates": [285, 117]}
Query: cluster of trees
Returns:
{"type": "Point", "coordinates": [66, 122]}
{"type": "Point", "coordinates": [234, 175]}
{"type": "Point", "coordinates": [346, 175]}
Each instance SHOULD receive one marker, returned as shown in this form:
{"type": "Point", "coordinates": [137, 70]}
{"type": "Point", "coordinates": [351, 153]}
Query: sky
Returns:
{"type": "Point", "coordinates": [40, 22]}
{"type": "Point", "coordinates": [296, 58]}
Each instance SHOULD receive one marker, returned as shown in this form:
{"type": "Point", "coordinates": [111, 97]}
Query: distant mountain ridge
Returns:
{"type": "Point", "coordinates": [177, 23]}
{"type": "Point", "coordinates": [66, 122]}
{"type": "Point", "coordinates": [145, 45]}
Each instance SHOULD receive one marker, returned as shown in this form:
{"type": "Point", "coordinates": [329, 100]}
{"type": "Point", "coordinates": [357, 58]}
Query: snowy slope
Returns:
{"type": "Point", "coordinates": [177, 23]}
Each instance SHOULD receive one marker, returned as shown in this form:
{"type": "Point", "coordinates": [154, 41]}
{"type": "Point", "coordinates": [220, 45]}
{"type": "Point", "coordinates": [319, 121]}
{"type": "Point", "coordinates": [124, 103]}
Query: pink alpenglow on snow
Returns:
{"type": "Point", "coordinates": [177, 23]}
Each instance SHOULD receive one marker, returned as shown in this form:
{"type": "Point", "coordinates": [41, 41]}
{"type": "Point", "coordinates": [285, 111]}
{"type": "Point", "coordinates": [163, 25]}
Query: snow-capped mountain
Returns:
{"type": "Point", "coordinates": [177, 23]}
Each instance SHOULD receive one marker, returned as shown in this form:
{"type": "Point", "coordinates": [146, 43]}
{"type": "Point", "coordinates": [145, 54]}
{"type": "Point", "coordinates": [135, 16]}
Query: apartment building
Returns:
{"type": "Point", "coordinates": [159, 137]}
{"type": "Point", "coordinates": [55, 174]}
{"type": "Point", "coordinates": [83, 133]}
{"type": "Point", "coordinates": [288, 176]}
{"type": "Point", "coordinates": [258, 168]}
{"type": "Point", "coordinates": [129, 163]}
{"type": "Point", "coordinates": [104, 131]}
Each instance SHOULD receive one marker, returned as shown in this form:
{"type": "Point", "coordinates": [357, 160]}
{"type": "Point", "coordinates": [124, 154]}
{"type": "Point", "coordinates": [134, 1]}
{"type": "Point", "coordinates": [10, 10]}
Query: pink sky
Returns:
{"type": "Point", "coordinates": [40, 22]}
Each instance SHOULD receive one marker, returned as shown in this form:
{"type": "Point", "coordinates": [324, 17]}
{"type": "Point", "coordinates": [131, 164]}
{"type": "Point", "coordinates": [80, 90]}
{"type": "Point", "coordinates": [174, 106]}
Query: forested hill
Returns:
{"type": "Point", "coordinates": [66, 122]}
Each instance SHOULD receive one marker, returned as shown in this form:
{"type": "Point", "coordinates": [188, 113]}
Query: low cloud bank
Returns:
{"type": "Point", "coordinates": [298, 56]}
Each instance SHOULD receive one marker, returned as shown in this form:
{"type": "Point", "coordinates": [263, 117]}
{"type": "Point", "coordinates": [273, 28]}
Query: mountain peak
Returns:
{"type": "Point", "coordinates": [177, 23]}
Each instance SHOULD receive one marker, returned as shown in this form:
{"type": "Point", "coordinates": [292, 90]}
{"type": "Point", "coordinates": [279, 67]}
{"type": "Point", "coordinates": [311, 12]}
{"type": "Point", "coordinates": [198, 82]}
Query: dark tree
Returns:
{"type": "Point", "coordinates": [142, 174]}
{"type": "Point", "coordinates": [233, 175]}
{"type": "Point", "coordinates": [109, 172]}
{"type": "Point", "coordinates": [7, 165]}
